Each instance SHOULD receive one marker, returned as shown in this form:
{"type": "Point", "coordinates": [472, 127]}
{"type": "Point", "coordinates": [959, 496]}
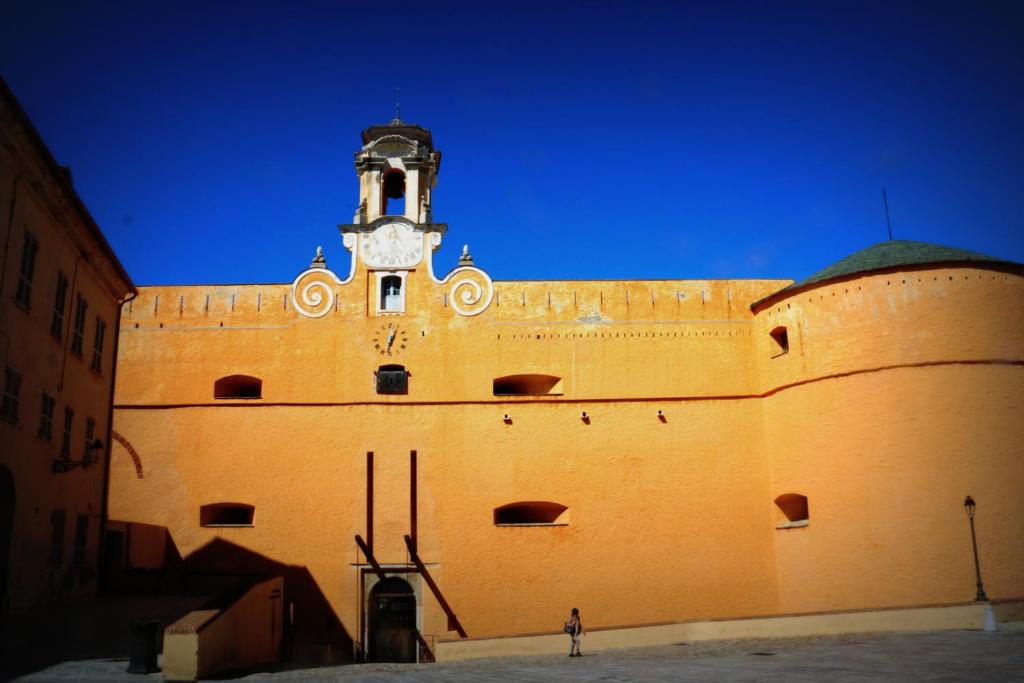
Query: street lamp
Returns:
{"type": "Point", "coordinates": [969, 506]}
{"type": "Point", "coordinates": [62, 465]}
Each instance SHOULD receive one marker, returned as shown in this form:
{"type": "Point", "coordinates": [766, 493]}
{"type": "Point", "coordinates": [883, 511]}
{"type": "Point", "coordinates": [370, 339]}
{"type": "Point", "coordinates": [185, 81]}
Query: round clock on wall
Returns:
{"type": "Point", "coordinates": [390, 339]}
{"type": "Point", "coordinates": [392, 245]}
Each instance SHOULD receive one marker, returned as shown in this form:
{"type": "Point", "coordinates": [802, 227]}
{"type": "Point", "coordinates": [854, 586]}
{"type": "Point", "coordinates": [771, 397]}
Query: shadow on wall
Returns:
{"type": "Point", "coordinates": [145, 559]}
{"type": "Point", "coordinates": [89, 629]}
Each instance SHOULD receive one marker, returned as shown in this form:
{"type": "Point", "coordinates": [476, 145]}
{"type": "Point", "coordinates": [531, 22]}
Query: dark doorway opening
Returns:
{"type": "Point", "coordinates": [6, 529]}
{"type": "Point", "coordinates": [391, 620]}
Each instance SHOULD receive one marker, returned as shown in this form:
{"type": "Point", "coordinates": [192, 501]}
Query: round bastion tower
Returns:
{"type": "Point", "coordinates": [894, 383]}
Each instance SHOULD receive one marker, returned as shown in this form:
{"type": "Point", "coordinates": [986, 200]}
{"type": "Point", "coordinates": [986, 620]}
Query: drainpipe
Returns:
{"type": "Point", "coordinates": [109, 449]}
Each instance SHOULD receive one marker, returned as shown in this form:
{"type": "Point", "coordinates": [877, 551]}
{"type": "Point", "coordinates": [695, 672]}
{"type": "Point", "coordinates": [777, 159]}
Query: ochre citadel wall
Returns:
{"type": "Point", "coordinates": [641, 492]}
{"type": "Point", "coordinates": [894, 401]}
{"type": "Point", "coordinates": [902, 393]}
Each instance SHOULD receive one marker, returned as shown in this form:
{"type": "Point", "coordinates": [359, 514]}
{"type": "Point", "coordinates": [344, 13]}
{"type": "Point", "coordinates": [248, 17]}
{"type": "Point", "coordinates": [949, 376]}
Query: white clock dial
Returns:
{"type": "Point", "coordinates": [392, 245]}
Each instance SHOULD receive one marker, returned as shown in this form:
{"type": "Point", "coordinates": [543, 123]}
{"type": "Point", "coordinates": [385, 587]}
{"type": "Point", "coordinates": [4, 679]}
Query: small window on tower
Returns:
{"type": "Point", "coordinates": [793, 511]}
{"type": "Point", "coordinates": [781, 339]}
{"type": "Point", "coordinates": [391, 294]}
{"type": "Point", "coordinates": [393, 187]}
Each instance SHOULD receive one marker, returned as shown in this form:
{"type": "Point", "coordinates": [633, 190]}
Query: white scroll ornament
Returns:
{"type": "Point", "coordinates": [313, 291]}
{"type": "Point", "coordinates": [471, 289]}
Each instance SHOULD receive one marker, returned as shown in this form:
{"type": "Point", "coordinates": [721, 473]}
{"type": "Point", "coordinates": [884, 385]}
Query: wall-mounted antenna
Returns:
{"type": "Point", "coordinates": [885, 200]}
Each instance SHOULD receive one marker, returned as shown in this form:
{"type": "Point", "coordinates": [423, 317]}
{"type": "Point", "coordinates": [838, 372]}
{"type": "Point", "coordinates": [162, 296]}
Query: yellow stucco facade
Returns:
{"type": "Point", "coordinates": [61, 287]}
{"type": "Point", "coordinates": [659, 419]}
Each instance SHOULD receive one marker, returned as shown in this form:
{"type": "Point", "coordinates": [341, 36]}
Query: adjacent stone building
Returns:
{"type": "Point", "coordinates": [433, 458]}
{"type": "Point", "coordinates": [61, 287]}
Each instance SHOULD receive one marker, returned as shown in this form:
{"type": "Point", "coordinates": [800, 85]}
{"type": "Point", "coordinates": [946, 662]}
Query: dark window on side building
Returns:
{"type": "Point", "coordinates": [46, 416]}
{"type": "Point", "coordinates": [97, 345]}
{"type": "Point", "coordinates": [59, 303]}
{"type": "Point", "coordinates": [65, 443]}
{"type": "Point", "coordinates": [29, 249]}
{"type": "Point", "coordinates": [90, 431]}
{"type": "Point", "coordinates": [81, 306]}
{"type": "Point", "coordinates": [12, 391]}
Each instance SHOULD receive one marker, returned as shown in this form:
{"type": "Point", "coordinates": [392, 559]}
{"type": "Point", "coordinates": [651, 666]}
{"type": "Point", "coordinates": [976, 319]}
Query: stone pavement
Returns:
{"type": "Point", "coordinates": [934, 656]}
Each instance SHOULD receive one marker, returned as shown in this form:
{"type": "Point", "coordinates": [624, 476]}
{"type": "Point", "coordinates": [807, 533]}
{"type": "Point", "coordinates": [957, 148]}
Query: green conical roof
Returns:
{"type": "Point", "coordinates": [893, 254]}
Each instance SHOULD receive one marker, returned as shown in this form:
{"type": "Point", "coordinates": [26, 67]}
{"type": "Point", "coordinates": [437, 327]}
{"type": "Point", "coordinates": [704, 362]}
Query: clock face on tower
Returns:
{"type": "Point", "coordinates": [390, 339]}
{"type": "Point", "coordinates": [392, 245]}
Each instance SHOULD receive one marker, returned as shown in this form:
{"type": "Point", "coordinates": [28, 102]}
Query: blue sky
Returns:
{"type": "Point", "coordinates": [213, 141]}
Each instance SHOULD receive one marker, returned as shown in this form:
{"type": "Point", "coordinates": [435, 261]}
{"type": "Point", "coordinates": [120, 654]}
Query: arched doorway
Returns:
{"type": "Point", "coordinates": [392, 621]}
{"type": "Point", "coordinates": [6, 528]}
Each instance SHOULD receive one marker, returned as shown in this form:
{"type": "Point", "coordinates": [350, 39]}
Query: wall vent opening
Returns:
{"type": "Point", "coordinates": [238, 386]}
{"type": "Point", "coordinates": [781, 338]}
{"type": "Point", "coordinates": [793, 509]}
{"type": "Point", "coordinates": [226, 514]}
{"type": "Point", "coordinates": [528, 385]}
{"type": "Point", "coordinates": [531, 513]}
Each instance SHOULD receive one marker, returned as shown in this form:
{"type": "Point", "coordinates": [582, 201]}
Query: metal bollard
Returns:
{"type": "Point", "coordinates": [142, 651]}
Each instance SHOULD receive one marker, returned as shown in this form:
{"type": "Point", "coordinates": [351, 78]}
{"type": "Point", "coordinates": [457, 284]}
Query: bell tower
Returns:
{"type": "Point", "coordinates": [393, 236]}
{"type": "Point", "coordinates": [397, 168]}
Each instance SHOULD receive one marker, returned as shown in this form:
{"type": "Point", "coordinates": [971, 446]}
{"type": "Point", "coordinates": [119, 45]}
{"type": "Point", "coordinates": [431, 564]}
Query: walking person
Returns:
{"type": "Point", "coordinates": [574, 627]}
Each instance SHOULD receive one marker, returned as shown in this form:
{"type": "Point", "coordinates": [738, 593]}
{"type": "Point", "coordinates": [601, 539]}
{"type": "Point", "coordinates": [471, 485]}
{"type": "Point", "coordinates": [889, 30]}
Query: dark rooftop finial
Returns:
{"type": "Point", "coordinates": [398, 110]}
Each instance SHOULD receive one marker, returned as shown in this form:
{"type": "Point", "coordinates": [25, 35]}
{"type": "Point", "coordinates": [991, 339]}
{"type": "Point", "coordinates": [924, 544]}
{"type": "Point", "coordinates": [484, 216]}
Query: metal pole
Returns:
{"type": "Point", "coordinates": [888, 223]}
{"type": "Point", "coordinates": [981, 597]}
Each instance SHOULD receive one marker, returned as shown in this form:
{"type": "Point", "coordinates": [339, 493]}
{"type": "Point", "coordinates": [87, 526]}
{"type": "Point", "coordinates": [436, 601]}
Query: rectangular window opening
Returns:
{"type": "Point", "coordinates": [59, 302]}
{"type": "Point", "coordinates": [12, 392]}
{"type": "Point", "coordinates": [46, 416]}
{"type": "Point", "coordinates": [65, 444]}
{"type": "Point", "coordinates": [81, 306]}
{"type": "Point", "coordinates": [29, 249]}
{"type": "Point", "coordinates": [90, 432]}
{"type": "Point", "coordinates": [97, 346]}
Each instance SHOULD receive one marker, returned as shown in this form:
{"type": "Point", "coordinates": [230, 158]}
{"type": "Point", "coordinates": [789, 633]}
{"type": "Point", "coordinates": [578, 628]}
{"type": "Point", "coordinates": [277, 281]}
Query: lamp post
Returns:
{"type": "Point", "coordinates": [62, 465]}
{"type": "Point", "coordinates": [969, 506]}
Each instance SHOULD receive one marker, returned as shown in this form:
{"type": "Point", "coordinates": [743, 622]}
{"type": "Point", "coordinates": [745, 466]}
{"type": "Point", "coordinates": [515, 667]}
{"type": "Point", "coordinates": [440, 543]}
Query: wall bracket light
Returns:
{"type": "Point", "coordinates": [64, 465]}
